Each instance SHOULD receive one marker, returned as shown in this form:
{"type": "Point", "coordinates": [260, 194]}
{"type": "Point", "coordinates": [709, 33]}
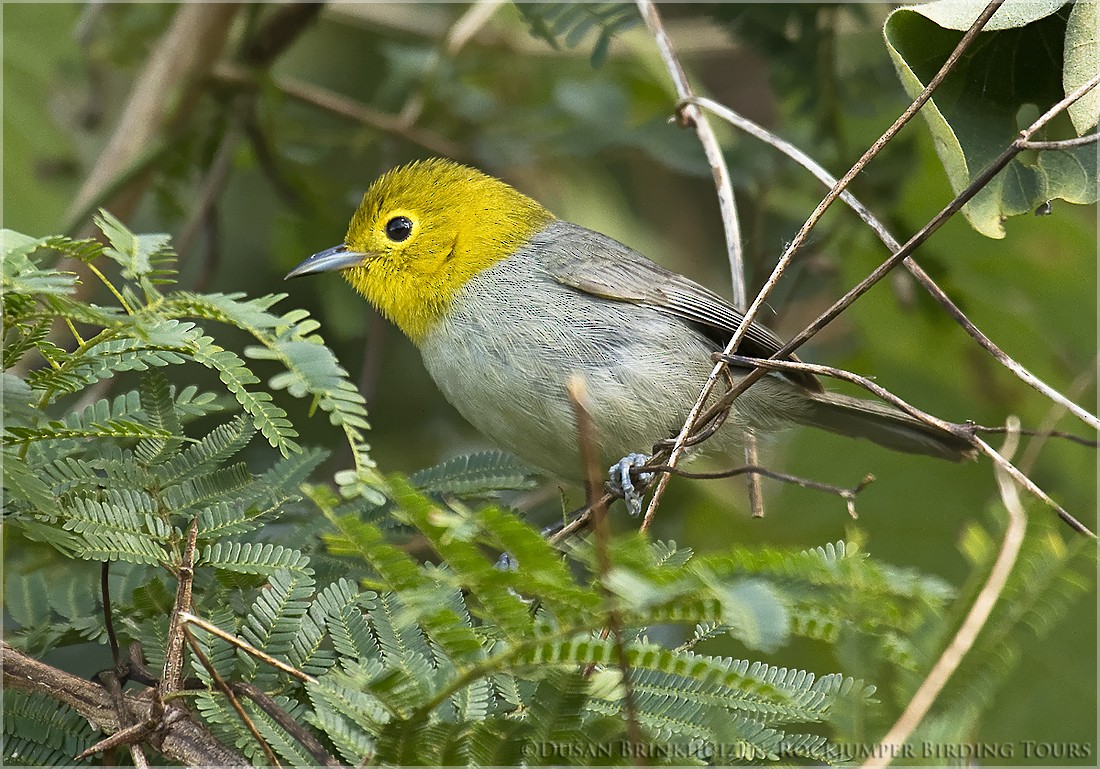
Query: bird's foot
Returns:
{"type": "Point", "coordinates": [507, 562]}
{"type": "Point", "coordinates": [621, 484]}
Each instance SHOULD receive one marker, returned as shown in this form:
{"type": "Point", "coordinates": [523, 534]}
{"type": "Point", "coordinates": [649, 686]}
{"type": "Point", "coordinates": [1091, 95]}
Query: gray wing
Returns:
{"type": "Point", "coordinates": [598, 265]}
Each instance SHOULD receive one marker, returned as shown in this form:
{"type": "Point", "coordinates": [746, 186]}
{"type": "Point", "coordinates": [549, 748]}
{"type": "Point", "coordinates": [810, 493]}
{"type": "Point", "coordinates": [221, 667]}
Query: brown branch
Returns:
{"type": "Point", "coordinates": [162, 94]}
{"type": "Point", "coordinates": [337, 104]}
{"type": "Point", "coordinates": [788, 254]}
{"type": "Point", "coordinates": [188, 618]}
{"type": "Point", "coordinates": [268, 705]}
{"type": "Point", "coordinates": [965, 431]}
{"type": "Point", "coordinates": [1062, 144]}
{"type": "Point", "coordinates": [586, 438]}
{"type": "Point", "coordinates": [246, 719]}
{"type": "Point", "coordinates": [172, 678]}
{"type": "Point", "coordinates": [972, 625]}
{"type": "Point", "coordinates": [179, 739]}
{"type": "Point", "coordinates": [893, 244]}
{"type": "Point", "coordinates": [132, 734]}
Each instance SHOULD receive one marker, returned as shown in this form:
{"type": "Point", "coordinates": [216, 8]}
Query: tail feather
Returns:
{"type": "Point", "coordinates": [884, 425]}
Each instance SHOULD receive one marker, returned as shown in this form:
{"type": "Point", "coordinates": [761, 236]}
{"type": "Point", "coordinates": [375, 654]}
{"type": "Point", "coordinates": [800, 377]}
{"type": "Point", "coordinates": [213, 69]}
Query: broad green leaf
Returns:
{"type": "Point", "coordinates": [1082, 61]}
{"type": "Point", "coordinates": [1009, 76]}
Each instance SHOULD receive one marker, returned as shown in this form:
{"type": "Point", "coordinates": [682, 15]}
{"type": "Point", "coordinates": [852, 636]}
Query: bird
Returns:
{"type": "Point", "coordinates": [506, 302]}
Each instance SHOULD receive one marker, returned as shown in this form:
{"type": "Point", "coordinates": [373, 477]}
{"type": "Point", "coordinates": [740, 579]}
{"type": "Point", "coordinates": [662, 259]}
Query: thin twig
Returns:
{"type": "Point", "coordinates": [286, 722]}
{"type": "Point", "coordinates": [754, 481]}
{"type": "Point", "coordinates": [246, 719]}
{"type": "Point", "coordinates": [129, 736]}
{"type": "Point", "coordinates": [1043, 431]}
{"type": "Point", "coordinates": [848, 495]}
{"type": "Point", "coordinates": [1046, 428]}
{"type": "Point", "coordinates": [893, 244]}
{"type": "Point", "coordinates": [578, 396]}
{"type": "Point", "coordinates": [108, 618]}
{"type": "Point", "coordinates": [190, 619]}
{"type": "Point", "coordinates": [727, 205]}
{"type": "Point", "coordinates": [1062, 144]}
{"type": "Point", "coordinates": [965, 431]}
{"type": "Point", "coordinates": [337, 104]}
{"type": "Point", "coordinates": [785, 259]}
{"type": "Point", "coordinates": [696, 117]}
{"type": "Point", "coordinates": [972, 625]}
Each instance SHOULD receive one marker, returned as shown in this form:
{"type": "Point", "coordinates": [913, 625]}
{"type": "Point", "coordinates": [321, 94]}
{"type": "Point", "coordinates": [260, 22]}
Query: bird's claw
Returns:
{"type": "Point", "coordinates": [621, 484]}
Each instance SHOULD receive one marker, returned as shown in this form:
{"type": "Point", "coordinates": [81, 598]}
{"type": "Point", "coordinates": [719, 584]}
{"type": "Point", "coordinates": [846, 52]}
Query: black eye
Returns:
{"type": "Point", "coordinates": [399, 228]}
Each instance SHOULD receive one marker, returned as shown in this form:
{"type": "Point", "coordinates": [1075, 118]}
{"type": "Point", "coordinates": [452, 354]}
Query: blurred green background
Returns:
{"type": "Point", "coordinates": [282, 172]}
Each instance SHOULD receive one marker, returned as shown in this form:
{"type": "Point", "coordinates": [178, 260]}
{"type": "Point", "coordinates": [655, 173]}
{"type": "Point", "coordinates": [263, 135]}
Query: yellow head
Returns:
{"type": "Point", "coordinates": [421, 232]}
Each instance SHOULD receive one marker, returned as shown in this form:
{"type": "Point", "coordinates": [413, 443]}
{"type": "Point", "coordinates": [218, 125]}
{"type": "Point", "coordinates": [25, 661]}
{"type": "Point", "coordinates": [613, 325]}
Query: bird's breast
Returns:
{"type": "Point", "coordinates": [514, 336]}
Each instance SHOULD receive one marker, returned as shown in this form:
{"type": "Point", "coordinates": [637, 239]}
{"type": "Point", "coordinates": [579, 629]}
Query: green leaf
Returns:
{"type": "Point", "coordinates": [112, 428]}
{"type": "Point", "coordinates": [20, 275]}
{"type": "Point", "coordinates": [40, 731]}
{"type": "Point", "coordinates": [139, 255]}
{"type": "Point", "coordinates": [26, 598]}
{"type": "Point", "coordinates": [974, 114]}
{"type": "Point", "coordinates": [276, 617]}
{"type": "Point", "coordinates": [571, 23]}
{"type": "Point", "coordinates": [253, 558]}
{"type": "Point", "coordinates": [23, 483]}
{"type": "Point", "coordinates": [160, 409]}
{"type": "Point", "coordinates": [475, 474]}
{"type": "Point", "coordinates": [755, 613]}
{"type": "Point", "coordinates": [1082, 62]}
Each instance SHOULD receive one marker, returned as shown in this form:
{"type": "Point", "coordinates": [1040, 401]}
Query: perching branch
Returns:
{"type": "Point", "coordinates": [967, 432]}
{"type": "Point", "coordinates": [892, 243]}
{"type": "Point", "coordinates": [883, 269]}
{"type": "Point", "coordinates": [695, 415]}
{"type": "Point", "coordinates": [178, 738]}
{"type": "Point", "coordinates": [727, 205]}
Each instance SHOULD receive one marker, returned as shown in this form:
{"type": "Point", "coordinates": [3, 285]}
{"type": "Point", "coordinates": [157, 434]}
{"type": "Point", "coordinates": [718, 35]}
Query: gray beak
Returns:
{"type": "Point", "coordinates": [335, 258]}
